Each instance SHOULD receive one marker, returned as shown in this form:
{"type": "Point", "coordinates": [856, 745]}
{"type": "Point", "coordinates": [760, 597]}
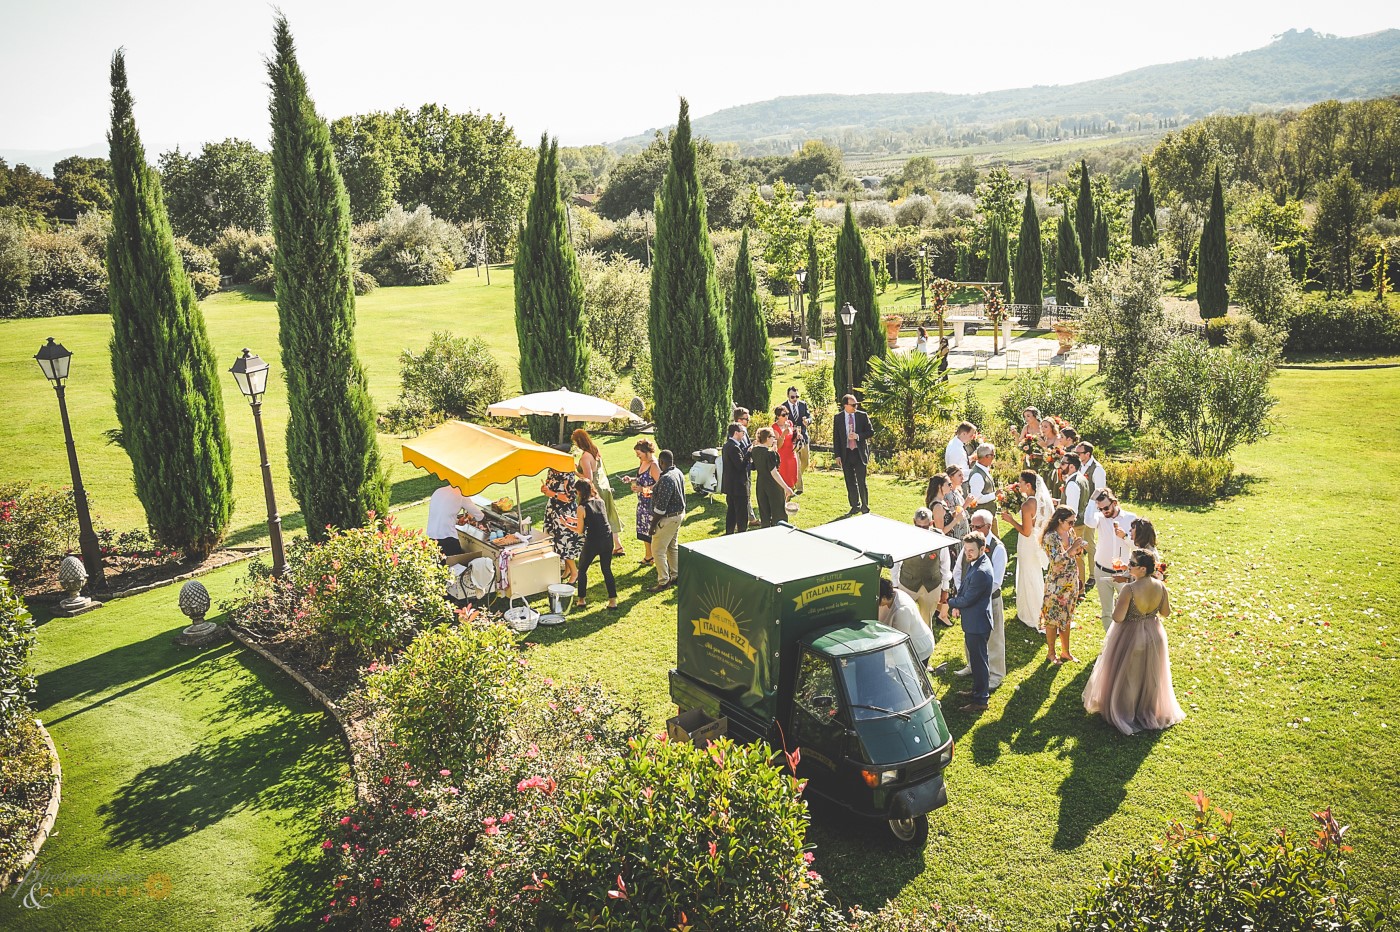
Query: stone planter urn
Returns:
{"type": "Point", "coordinates": [72, 576]}
{"type": "Point", "coordinates": [892, 325]}
{"type": "Point", "coordinates": [1067, 334]}
{"type": "Point", "coordinates": [194, 603]}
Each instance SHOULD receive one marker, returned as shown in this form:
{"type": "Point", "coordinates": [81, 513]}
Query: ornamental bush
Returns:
{"type": "Point", "coordinates": [373, 587]}
{"type": "Point", "coordinates": [26, 781]}
{"type": "Point", "coordinates": [16, 642]}
{"type": "Point", "coordinates": [1343, 325]}
{"type": "Point", "coordinates": [1209, 401]}
{"type": "Point", "coordinates": [1060, 394]}
{"type": "Point", "coordinates": [616, 292]}
{"type": "Point", "coordinates": [200, 265]}
{"type": "Point", "coordinates": [1175, 480]}
{"type": "Point", "coordinates": [1207, 877]}
{"type": "Point", "coordinates": [416, 248]}
{"type": "Point", "coordinates": [38, 525]}
{"type": "Point", "coordinates": [453, 377]}
{"type": "Point", "coordinates": [245, 256]}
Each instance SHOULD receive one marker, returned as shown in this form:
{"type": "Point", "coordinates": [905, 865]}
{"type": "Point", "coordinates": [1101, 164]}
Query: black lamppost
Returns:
{"type": "Point", "coordinates": [54, 360]}
{"type": "Point", "coordinates": [923, 278]}
{"type": "Point", "coordinates": [848, 319]}
{"type": "Point", "coordinates": [250, 372]}
{"type": "Point", "coordinates": [801, 314]}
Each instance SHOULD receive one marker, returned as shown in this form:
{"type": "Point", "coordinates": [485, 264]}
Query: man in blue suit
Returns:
{"type": "Point", "coordinates": [973, 603]}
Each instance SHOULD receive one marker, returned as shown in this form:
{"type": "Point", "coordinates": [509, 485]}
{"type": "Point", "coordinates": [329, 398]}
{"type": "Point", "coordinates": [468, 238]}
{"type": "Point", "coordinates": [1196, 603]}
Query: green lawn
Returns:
{"type": "Point", "coordinates": [210, 767]}
{"type": "Point", "coordinates": [1283, 643]}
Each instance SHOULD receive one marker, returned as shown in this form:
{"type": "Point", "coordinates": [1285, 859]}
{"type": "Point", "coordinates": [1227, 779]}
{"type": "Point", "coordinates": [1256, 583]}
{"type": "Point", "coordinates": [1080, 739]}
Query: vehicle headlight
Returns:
{"type": "Point", "coordinates": [889, 776]}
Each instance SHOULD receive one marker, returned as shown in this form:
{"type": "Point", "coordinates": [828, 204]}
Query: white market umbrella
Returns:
{"type": "Point", "coordinates": [564, 404]}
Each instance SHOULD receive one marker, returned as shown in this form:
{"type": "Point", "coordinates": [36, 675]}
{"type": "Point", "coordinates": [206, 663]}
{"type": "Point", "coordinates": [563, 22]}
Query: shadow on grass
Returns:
{"type": "Point", "coordinates": [862, 863]}
{"type": "Point", "coordinates": [294, 893]}
{"type": "Point", "coordinates": [252, 533]}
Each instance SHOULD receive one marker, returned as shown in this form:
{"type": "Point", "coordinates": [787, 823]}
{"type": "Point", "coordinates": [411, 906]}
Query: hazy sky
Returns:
{"type": "Point", "coordinates": [586, 72]}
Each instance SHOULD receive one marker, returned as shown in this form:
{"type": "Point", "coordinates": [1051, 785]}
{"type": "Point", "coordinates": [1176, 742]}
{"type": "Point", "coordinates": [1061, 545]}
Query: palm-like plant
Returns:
{"type": "Point", "coordinates": [903, 393]}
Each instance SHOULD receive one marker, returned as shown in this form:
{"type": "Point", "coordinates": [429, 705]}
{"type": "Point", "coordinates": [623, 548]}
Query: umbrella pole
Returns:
{"type": "Point", "coordinates": [519, 516]}
{"type": "Point", "coordinates": [561, 428]}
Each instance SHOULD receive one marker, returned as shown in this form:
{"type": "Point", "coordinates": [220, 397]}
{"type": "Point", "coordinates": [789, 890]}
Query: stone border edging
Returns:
{"type": "Point", "coordinates": [356, 771]}
{"type": "Point", "coordinates": [41, 834]}
{"type": "Point", "coordinates": [1340, 367]}
{"type": "Point", "coordinates": [247, 554]}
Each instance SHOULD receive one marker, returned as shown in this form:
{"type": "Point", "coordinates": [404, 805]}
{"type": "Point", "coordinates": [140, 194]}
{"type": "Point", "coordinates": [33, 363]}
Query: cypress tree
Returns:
{"type": "Point", "coordinates": [549, 295]}
{"type": "Point", "coordinates": [814, 291]}
{"type": "Point", "coordinates": [748, 335]}
{"type": "Point", "coordinates": [1067, 264]}
{"type": "Point", "coordinates": [1084, 219]}
{"type": "Point", "coordinates": [332, 449]}
{"type": "Point", "coordinates": [168, 396]}
{"type": "Point", "coordinates": [1144, 229]}
{"type": "Point", "coordinates": [999, 258]}
{"type": "Point", "coordinates": [1100, 239]}
{"type": "Point", "coordinates": [1213, 262]}
{"type": "Point", "coordinates": [855, 285]}
{"type": "Point", "coordinates": [1030, 261]}
{"type": "Point", "coordinates": [691, 357]}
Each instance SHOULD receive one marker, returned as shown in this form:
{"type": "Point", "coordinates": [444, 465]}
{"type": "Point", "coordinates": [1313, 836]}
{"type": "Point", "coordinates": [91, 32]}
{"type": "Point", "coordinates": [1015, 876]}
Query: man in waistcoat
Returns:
{"type": "Point", "coordinates": [981, 490]}
{"type": "Point", "coordinates": [1076, 498]}
{"type": "Point", "coordinates": [1092, 470]}
{"type": "Point", "coordinates": [996, 642]}
{"type": "Point", "coordinates": [921, 576]}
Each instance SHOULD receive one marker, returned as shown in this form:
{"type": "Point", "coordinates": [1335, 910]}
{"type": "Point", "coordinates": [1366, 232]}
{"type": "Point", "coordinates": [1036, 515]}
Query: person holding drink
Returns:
{"type": "Point", "coordinates": [647, 474]}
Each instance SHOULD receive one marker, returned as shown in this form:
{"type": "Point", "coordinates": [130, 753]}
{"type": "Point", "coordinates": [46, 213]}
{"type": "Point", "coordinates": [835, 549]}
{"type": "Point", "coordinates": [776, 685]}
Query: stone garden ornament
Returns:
{"type": "Point", "coordinates": [194, 603]}
{"type": "Point", "coordinates": [72, 576]}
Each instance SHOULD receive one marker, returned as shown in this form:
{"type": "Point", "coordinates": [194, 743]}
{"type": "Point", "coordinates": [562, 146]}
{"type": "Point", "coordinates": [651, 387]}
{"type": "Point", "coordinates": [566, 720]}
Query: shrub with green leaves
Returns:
{"type": "Point", "coordinates": [26, 781]}
{"type": "Point", "coordinates": [1175, 480]}
{"type": "Point", "coordinates": [1208, 878]}
{"type": "Point", "coordinates": [374, 586]}
{"type": "Point", "coordinates": [1209, 401]}
{"type": "Point", "coordinates": [16, 642]}
{"type": "Point", "coordinates": [452, 377]}
{"type": "Point", "coordinates": [905, 398]}
{"type": "Point", "coordinates": [38, 525]}
{"type": "Point", "coordinates": [411, 248]}
{"type": "Point", "coordinates": [940, 918]}
{"type": "Point", "coordinates": [200, 265]}
{"type": "Point", "coordinates": [245, 256]}
{"type": "Point", "coordinates": [1060, 394]}
{"type": "Point", "coordinates": [616, 294]}
{"type": "Point", "coordinates": [1343, 325]}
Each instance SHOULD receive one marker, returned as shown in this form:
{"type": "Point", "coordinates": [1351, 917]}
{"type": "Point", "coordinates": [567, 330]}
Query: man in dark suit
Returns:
{"type": "Point", "coordinates": [801, 417]}
{"type": "Point", "coordinates": [734, 482]}
{"type": "Point", "coordinates": [973, 603]}
{"type": "Point", "coordinates": [851, 434]}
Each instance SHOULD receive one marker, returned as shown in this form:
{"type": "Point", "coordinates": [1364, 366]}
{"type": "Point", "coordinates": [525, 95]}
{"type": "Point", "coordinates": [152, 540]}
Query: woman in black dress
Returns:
{"type": "Point", "coordinates": [591, 521]}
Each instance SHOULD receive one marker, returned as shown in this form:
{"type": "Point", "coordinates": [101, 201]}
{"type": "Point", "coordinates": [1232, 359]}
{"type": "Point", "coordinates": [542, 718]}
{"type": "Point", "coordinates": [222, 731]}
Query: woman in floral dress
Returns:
{"type": "Point", "coordinates": [558, 488]}
{"type": "Point", "coordinates": [647, 473]}
{"type": "Point", "coordinates": [1061, 582]}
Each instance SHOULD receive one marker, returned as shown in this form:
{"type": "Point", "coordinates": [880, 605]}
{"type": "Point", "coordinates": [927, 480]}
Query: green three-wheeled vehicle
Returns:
{"type": "Point", "coordinates": [776, 632]}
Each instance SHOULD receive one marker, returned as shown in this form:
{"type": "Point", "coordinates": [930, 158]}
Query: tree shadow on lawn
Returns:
{"type": "Point", "coordinates": [295, 892]}
{"type": "Point", "coordinates": [860, 860]}
{"type": "Point", "coordinates": [281, 765]}
{"type": "Point", "coordinates": [252, 533]}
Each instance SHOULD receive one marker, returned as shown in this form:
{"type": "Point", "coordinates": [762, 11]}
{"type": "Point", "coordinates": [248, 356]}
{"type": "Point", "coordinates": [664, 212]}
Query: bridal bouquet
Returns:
{"type": "Point", "coordinates": [1010, 499]}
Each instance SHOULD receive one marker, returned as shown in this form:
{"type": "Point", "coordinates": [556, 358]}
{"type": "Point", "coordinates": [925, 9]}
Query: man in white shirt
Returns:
{"type": "Point", "coordinates": [925, 577]}
{"type": "Point", "coordinates": [443, 508]}
{"type": "Point", "coordinates": [1114, 546]}
{"type": "Point", "coordinates": [980, 488]}
{"type": "Point", "coordinates": [956, 454]}
{"type": "Point", "coordinates": [996, 644]}
{"type": "Point", "coordinates": [898, 611]}
{"type": "Point", "coordinates": [1076, 499]}
{"type": "Point", "coordinates": [1093, 472]}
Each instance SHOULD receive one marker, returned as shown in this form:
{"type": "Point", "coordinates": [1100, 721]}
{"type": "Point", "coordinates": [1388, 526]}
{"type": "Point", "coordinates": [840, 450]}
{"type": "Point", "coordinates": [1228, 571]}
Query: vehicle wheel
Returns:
{"type": "Point", "coordinates": [911, 832]}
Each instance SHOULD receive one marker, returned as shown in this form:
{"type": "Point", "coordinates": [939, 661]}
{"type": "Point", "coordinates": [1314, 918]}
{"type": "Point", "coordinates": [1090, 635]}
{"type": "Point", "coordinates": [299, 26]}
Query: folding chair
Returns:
{"type": "Point", "coordinates": [1013, 361]}
{"type": "Point", "coordinates": [1043, 356]}
{"type": "Point", "coordinates": [980, 359]}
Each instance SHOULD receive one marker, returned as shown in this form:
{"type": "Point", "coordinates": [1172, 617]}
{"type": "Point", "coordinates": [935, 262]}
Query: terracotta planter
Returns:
{"type": "Point", "coordinates": [1066, 336]}
{"type": "Point", "coordinates": [892, 325]}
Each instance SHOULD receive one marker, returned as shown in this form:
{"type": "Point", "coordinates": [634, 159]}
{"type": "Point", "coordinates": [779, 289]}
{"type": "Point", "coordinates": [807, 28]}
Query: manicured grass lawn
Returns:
{"type": "Point", "coordinates": [210, 767]}
{"type": "Point", "coordinates": [1283, 642]}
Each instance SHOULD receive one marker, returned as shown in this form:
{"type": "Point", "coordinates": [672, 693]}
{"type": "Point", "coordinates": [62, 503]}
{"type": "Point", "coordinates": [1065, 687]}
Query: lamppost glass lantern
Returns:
{"type": "Point", "coordinates": [250, 372]}
{"type": "Point", "coordinates": [848, 315]}
{"type": "Point", "coordinates": [54, 359]}
{"type": "Point", "coordinates": [801, 277]}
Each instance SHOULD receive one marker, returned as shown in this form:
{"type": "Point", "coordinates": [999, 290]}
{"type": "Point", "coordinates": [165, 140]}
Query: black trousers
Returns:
{"type": "Point", "coordinates": [601, 551]}
{"type": "Point", "coordinates": [736, 512]}
{"type": "Point", "coordinates": [854, 469]}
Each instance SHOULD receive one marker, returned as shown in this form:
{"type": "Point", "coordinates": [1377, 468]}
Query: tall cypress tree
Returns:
{"type": "Point", "coordinates": [855, 285]}
{"type": "Point", "coordinates": [1030, 261]}
{"type": "Point", "coordinates": [169, 400]}
{"type": "Point", "coordinates": [332, 449]}
{"type": "Point", "coordinates": [1067, 262]}
{"type": "Point", "coordinates": [999, 258]}
{"type": "Point", "coordinates": [1144, 230]}
{"type": "Point", "coordinates": [1100, 239]}
{"type": "Point", "coordinates": [748, 335]}
{"type": "Point", "coordinates": [691, 357]}
{"type": "Point", "coordinates": [1084, 219]}
{"type": "Point", "coordinates": [1213, 260]}
{"type": "Point", "coordinates": [549, 295]}
{"type": "Point", "coordinates": [814, 290]}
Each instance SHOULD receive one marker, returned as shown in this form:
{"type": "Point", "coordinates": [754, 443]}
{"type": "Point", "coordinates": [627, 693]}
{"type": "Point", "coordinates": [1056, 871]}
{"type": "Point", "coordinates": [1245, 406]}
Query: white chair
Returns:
{"type": "Point", "coordinates": [1013, 361]}
{"type": "Point", "coordinates": [1043, 355]}
{"type": "Point", "coordinates": [980, 359]}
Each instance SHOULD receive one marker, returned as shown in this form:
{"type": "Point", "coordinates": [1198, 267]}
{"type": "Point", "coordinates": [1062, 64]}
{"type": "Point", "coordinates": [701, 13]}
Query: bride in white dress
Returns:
{"type": "Point", "coordinates": [1031, 559]}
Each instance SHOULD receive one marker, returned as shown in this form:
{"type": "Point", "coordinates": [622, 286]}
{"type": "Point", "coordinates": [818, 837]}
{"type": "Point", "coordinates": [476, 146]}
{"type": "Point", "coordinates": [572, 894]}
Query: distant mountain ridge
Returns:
{"type": "Point", "coordinates": [1297, 68]}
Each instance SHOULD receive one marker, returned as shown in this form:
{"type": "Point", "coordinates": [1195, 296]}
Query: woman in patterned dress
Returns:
{"type": "Point", "coordinates": [1061, 582]}
{"type": "Point", "coordinates": [558, 488]}
{"type": "Point", "coordinates": [960, 524]}
{"type": "Point", "coordinates": [647, 474]}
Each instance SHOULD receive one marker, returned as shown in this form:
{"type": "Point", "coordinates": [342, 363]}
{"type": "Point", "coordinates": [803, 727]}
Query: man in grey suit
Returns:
{"type": "Point", "coordinates": [973, 603]}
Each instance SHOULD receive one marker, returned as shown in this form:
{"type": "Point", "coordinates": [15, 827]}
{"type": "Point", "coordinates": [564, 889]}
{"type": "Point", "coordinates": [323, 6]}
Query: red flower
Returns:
{"type": "Point", "coordinates": [327, 844]}
{"type": "Point", "coordinates": [395, 922]}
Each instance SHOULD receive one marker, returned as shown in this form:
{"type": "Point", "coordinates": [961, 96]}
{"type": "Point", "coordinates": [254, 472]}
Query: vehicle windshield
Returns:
{"type": "Point", "coordinates": [885, 682]}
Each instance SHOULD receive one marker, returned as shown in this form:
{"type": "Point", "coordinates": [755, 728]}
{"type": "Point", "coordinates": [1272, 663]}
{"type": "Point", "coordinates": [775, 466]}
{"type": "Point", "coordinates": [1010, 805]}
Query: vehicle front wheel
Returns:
{"type": "Point", "coordinates": [911, 832]}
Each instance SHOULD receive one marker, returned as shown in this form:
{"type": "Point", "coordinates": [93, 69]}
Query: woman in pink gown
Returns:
{"type": "Point", "coordinates": [787, 453]}
{"type": "Point", "coordinates": [1131, 685]}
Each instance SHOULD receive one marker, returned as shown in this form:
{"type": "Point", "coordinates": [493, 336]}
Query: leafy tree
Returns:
{"type": "Point", "coordinates": [965, 176]}
{"type": "Point", "coordinates": [748, 335]}
{"type": "Point", "coordinates": [83, 185]}
{"type": "Point", "coordinates": [996, 198]}
{"type": "Point", "coordinates": [166, 382]}
{"type": "Point", "coordinates": [1282, 227]}
{"type": "Point", "coordinates": [855, 285]}
{"type": "Point", "coordinates": [784, 224]}
{"type": "Point", "coordinates": [332, 448]}
{"type": "Point", "coordinates": [1068, 263]}
{"type": "Point", "coordinates": [1209, 400]}
{"type": "Point", "coordinates": [27, 189]}
{"type": "Point", "coordinates": [907, 396]}
{"type": "Point", "coordinates": [691, 357]}
{"type": "Point", "coordinates": [226, 185]}
{"type": "Point", "coordinates": [1084, 213]}
{"type": "Point", "coordinates": [919, 175]}
{"type": "Point", "coordinates": [1260, 281]}
{"type": "Point", "coordinates": [1342, 212]}
{"type": "Point", "coordinates": [548, 294]}
{"type": "Point", "coordinates": [814, 158]}
{"type": "Point", "coordinates": [616, 294]}
{"type": "Point", "coordinates": [374, 155]}
{"type": "Point", "coordinates": [1124, 315]}
{"type": "Point", "coordinates": [1029, 260]}
{"type": "Point", "coordinates": [999, 257]}
{"type": "Point", "coordinates": [1213, 260]}
{"type": "Point", "coordinates": [634, 181]}
{"type": "Point", "coordinates": [1143, 227]}
{"type": "Point", "coordinates": [814, 290]}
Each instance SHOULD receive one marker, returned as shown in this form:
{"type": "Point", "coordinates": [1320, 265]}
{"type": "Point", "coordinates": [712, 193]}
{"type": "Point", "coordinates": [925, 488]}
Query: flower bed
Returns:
{"type": "Point", "coordinates": [28, 784]}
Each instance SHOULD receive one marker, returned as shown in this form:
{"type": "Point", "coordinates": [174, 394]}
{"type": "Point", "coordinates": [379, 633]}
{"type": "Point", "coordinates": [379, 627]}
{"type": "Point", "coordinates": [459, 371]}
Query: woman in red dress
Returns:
{"type": "Point", "coordinates": [787, 453]}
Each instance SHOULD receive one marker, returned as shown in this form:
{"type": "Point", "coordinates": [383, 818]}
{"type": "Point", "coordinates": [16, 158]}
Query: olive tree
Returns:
{"type": "Point", "coordinates": [1124, 315]}
{"type": "Point", "coordinates": [1209, 401]}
